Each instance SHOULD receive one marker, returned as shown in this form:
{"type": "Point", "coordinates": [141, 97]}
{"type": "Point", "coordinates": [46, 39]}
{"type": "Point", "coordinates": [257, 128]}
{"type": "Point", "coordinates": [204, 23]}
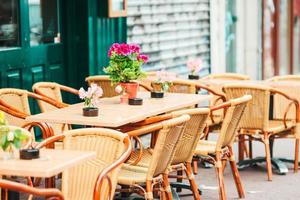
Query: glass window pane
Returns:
{"type": "Point", "coordinates": [9, 23]}
{"type": "Point", "coordinates": [43, 20]}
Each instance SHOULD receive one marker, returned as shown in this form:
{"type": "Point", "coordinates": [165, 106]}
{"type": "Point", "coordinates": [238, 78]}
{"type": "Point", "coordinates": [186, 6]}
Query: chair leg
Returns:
{"type": "Point", "coordinates": [192, 181]}
{"type": "Point", "coordinates": [241, 147]}
{"type": "Point", "coordinates": [236, 174]}
{"type": "Point", "coordinates": [179, 180]}
{"type": "Point", "coordinates": [268, 156]}
{"type": "Point", "coordinates": [195, 166]}
{"type": "Point", "coordinates": [224, 164]}
{"type": "Point", "coordinates": [167, 187]}
{"type": "Point", "coordinates": [149, 191]}
{"type": "Point", "coordinates": [296, 165]}
{"type": "Point", "coordinates": [219, 171]}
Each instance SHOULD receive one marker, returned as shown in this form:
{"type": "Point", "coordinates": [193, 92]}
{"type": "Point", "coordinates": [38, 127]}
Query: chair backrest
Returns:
{"type": "Point", "coordinates": [167, 141]}
{"type": "Point", "coordinates": [257, 110]}
{"type": "Point", "coordinates": [288, 84]}
{"type": "Point", "coordinates": [105, 83]}
{"type": "Point", "coordinates": [48, 89]}
{"type": "Point", "coordinates": [285, 78]}
{"type": "Point", "coordinates": [230, 125]}
{"type": "Point", "coordinates": [191, 134]}
{"type": "Point", "coordinates": [109, 145]}
{"type": "Point", "coordinates": [17, 99]}
{"type": "Point", "coordinates": [227, 76]}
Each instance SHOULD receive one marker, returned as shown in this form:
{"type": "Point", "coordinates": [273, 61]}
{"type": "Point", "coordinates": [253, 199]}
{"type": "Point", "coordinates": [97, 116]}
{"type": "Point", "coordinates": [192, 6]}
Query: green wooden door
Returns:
{"type": "Point", "coordinates": [30, 50]}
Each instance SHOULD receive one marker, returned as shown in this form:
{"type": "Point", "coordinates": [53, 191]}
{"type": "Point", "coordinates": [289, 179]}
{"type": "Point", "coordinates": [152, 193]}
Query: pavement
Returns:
{"type": "Point", "coordinates": [254, 179]}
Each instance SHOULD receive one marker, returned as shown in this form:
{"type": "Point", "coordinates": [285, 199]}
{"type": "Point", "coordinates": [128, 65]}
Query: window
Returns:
{"type": "Point", "coordinates": [9, 23]}
{"type": "Point", "coordinates": [43, 21]}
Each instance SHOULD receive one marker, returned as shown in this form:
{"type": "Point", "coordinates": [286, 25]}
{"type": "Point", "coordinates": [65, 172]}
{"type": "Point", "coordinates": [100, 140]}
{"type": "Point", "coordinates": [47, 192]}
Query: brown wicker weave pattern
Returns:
{"type": "Point", "coordinates": [105, 83]}
{"type": "Point", "coordinates": [257, 116]}
{"type": "Point", "coordinates": [19, 100]}
{"type": "Point", "coordinates": [280, 103]}
{"type": "Point", "coordinates": [78, 183]}
{"type": "Point", "coordinates": [231, 122]}
{"type": "Point", "coordinates": [191, 135]}
{"type": "Point", "coordinates": [164, 150]}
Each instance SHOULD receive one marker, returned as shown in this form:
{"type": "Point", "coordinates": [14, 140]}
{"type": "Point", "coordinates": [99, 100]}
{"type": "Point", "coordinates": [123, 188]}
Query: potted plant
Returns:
{"type": "Point", "coordinates": [91, 99]}
{"type": "Point", "coordinates": [194, 65]}
{"type": "Point", "coordinates": [125, 67]}
{"type": "Point", "coordinates": [162, 83]}
{"type": "Point", "coordinates": [10, 139]}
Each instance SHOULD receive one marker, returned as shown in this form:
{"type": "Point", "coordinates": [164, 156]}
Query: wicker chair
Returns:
{"type": "Point", "coordinates": [192, 87]}
{"type": "Point", "coordinates": [185, 150]}
{"type": "Point", "coordinates": [281, 103]}
{"type": "Point", "coordinates": [227, 76]}
{"type": "Point", "coordinates": [134, 177]}
{"type": "Point", "coordinates": [96, 179]}
{"type": "Point", "coordinates": [49, 193]}
{"type": "Point", "coordinates": [53, 91]}
{"type": "Point", "coordinates": [15, 104]}
{"type": "Point", "coordinates": [216, 152]}
{"type": "Point", "coordinates": [107, 86]}
{"type": "Point", "coordinates": [257, 125]}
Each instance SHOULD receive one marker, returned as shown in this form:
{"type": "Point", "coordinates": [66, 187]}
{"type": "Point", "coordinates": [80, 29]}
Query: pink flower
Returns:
{"type": "Point", "coordinates": [143, 57]}
{"type": "Point", "coordinates": [92, 95]}
{"type": "Point", "coordinates": [164, 76]}
{"type": "Point", "coordinates": [82, 93]}
{"type": "Point", "coordinates": [134, 48]}
{"type": "Point", "coordinates": [194, 65]}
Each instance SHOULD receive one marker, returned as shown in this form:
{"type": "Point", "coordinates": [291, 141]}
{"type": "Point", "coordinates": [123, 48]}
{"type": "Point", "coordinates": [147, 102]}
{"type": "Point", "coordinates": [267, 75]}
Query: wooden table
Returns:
{"type": "Point", "coordinates": [113, 114]}
{"type": "Point", "coordinates": [50, 163]}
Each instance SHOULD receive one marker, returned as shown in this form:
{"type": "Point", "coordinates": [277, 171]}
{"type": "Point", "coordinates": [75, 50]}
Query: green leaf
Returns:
{"type": "Point", "coordinates": [20, 135]}
{"type": "Point", "coordinates": [17, 143]}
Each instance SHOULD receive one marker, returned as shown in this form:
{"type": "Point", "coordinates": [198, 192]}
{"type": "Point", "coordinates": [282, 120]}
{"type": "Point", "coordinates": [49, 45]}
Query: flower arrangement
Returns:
{"type": "Point", "coordinates": [125, 63]}
{"type": "Point", "coordinates": [194, 65]}
{"type": "Point", "coordinates": [164, 80]}
{"type": "Point", "coordinates": [10, 139]}
{"type": "Point", "coordinates": [91, 96]}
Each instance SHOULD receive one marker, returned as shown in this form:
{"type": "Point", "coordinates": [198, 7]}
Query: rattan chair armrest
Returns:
{"type": "Point", "coordinates": [144, 130]}
{"type": "Point", "coordinates": [105, 173]}
{"type": "Point", "coordinates": [141, 150]}
{"type": "Point", "coordinates": [49, 141]}
{"type": "Point", "coordinates": [209, 90]}
{"type": "Point", "coordinates": [47, 99]}
{"type": "Point", "coordinates": [148, 121]}
{"type": "Point", "coordinates": [11, 110]}
{"type": "Point", "coordinates": [146, 87]}
{"type": "Point", "coordinates": [293, 101]}
{"type": "Point", "coordinates": [9, 185]}
{"type": "Point", "coordinates": [46, 129]}
{"type": "Point", "coordinates": [69, 89]}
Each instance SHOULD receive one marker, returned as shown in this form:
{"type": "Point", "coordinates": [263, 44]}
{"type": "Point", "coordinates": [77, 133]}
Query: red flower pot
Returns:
{"type": "Point", "coordinates": [131, 89]}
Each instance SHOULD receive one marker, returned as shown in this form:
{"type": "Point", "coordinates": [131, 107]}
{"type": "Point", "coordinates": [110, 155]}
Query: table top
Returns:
{"type": "Point", "coordinates": [50, 163]}
{"type": "Point", "coordinates": [114, 114]}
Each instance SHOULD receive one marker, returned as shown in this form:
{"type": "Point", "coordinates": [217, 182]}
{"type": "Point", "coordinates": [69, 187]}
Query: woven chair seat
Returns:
{"type": "Point", "coordinates": [131, 175]}
{"type": "Point", "coordinates": [276, 126]}
{"type": "Point", "coordinates": [205, 147]}
{"type": "Point", "coordinates": [145, 159]}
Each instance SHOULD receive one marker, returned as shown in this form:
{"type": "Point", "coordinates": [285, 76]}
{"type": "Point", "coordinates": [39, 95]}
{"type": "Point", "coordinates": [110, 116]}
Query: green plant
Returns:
{"type": "Point", "coordinates": [8, 137]}
{"type": "Point", "coordinates": [125, 63]}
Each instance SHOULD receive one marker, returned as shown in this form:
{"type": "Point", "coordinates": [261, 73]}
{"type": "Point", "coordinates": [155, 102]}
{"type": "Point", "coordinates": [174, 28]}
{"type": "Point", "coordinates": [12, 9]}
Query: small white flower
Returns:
{"type": "Point", "coordinates": [118, 89]}
{"type": "Point", "coordinates": [10, 136]}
